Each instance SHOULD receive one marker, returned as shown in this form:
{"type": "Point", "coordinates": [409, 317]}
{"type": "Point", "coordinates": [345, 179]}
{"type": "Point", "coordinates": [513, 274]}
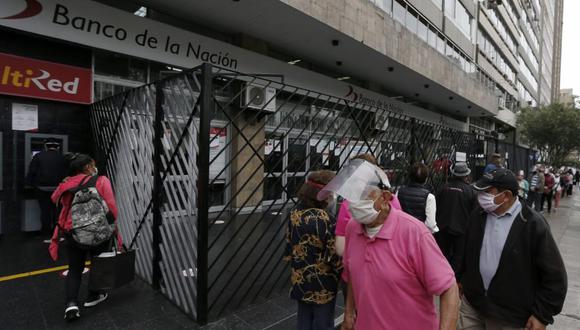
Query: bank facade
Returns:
{"type": "Point", "coordinates": [457, 65]}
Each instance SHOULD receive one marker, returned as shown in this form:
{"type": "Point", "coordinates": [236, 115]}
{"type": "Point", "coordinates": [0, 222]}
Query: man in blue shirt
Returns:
{"type": "Point", "coordinates": [494, 163]}
{"type": "Point", "coordinates": [512, 274]}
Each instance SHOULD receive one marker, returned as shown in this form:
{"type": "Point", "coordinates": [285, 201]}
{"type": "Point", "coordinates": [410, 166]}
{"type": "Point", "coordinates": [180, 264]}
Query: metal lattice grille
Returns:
{"type": "Point", "coordinates": [276, 136]}
{"type": "Point", "coordinates": [206, 165]}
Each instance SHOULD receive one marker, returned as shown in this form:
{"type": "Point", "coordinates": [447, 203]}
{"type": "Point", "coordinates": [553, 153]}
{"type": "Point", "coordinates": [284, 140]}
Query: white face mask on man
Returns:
{"type": "Point", "coordinates": [486, 201]}
{"type": "Point", "coordinates": [363, 211]}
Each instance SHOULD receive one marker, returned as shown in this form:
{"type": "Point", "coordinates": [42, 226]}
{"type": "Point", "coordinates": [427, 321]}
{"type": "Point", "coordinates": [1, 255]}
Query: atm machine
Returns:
{"type": "Point", "coordinates": [33, 144]}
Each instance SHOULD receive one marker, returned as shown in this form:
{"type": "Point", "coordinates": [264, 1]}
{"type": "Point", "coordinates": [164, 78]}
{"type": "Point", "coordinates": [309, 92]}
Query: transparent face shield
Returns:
{"type": "Point", "coordinates": [357, 180]}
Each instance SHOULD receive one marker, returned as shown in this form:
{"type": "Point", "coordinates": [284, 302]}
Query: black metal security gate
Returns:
{"type": "Point", "coordinates": [206, 164]}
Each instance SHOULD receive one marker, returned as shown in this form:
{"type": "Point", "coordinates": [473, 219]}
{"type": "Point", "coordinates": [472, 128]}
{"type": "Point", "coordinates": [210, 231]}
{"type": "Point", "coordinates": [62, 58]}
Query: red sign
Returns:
{"type": "Point", "coordinates": [24, 76]}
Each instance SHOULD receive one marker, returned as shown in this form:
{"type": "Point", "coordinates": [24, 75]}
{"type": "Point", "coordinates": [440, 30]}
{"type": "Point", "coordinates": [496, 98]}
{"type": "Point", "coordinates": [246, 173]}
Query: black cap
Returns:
{"type": "Point", "coordinates": [500, 178]}
{"type": "Point", "coordinates": [51, 142]}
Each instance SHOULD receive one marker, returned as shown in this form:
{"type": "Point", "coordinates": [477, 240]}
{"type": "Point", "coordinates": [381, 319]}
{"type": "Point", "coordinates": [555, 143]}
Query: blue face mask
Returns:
{"type": "Point", "coordinates": [486, 201]}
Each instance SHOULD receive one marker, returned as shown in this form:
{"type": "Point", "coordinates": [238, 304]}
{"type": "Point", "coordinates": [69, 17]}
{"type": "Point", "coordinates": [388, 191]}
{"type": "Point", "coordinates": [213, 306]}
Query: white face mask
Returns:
{"type": "Point", "coordinates": [96, 171]}
{"type": "Point", "coordinates": [486, 201]}
{"type": "Point", "coordinates": [363, 211]}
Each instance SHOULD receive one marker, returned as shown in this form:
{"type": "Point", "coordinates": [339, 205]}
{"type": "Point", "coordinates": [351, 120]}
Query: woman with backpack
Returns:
{"type": "Point", "coordinates": [86, 201]}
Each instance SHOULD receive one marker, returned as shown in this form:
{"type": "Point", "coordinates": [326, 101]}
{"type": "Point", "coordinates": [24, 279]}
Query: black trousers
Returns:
{"type": "Point", "coordinates": [547, 197]}
{"type": "Point", "coordinates": [536, 199]}
{"type": "Point", "coordinates": [451, 246]}
{"type": "Point", "coordinates": [316, 317]}
{"type": "Point", "coordinates": [76, 263]}
{"type": "Point", "coordinates": [47, 210]}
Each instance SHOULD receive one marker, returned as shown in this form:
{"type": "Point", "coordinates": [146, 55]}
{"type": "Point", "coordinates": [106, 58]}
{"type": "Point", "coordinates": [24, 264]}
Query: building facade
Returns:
{"type": "Point", "coordinates": [465, 64]}
{"type": "Point", "coordinates": [567, 97]}
{"type": "Point", "coordinates": [557, 53]}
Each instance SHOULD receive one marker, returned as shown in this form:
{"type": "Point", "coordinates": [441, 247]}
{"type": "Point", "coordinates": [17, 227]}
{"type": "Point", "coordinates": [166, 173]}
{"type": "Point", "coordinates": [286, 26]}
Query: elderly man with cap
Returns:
{"type": "Point", "coordinates": [494, 163]}
{"type": "Point", "coordinates": [392, 263]}
{"type": "Point", "coordinates": [456, 200]}
{"type": "Point", "coordinates": [512, 275]}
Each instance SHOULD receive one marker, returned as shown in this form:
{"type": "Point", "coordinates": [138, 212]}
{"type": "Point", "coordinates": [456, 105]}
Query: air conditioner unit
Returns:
{"type": "Point", "coordinates": [260, 97]}
{"type": "Point", "coordinates": [492, 4]}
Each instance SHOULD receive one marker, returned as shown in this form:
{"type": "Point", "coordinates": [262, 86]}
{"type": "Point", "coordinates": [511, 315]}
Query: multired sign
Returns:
{"type": "Point", "coordinates": [23, 76]}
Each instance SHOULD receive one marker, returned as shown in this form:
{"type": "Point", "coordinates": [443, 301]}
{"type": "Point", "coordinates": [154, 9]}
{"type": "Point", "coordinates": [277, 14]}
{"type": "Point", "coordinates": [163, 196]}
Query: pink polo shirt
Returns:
{"type": "Point", "coordinates": [395, 274]}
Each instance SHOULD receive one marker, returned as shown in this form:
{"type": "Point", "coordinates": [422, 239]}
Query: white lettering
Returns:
{"type": "Point", "coordinates": [54, 85]}
{"type": "Point", "coordinates": [71, 87]}
{"type": "Point", "coordinates": [37, 82]}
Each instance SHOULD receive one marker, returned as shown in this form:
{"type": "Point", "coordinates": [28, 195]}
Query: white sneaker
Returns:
{"type": "Point", "coordinates": [72, 313]}
{"type": "Point", "coordinates": [94, 301]}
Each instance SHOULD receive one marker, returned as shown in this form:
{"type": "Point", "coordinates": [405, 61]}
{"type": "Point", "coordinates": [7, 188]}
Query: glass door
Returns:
{"type": "Point", "coordinates": [298, 163]}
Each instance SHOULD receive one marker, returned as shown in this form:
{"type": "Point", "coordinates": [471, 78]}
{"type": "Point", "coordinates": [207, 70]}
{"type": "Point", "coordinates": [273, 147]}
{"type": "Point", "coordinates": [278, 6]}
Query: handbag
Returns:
{"type": "Point", "coordinates": [111, 270]}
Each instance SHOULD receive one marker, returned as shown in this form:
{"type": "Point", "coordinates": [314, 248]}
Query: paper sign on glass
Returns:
{"type": "Point", "coordinates": [24, 117]}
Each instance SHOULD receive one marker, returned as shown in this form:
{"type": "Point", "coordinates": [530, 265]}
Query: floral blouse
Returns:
{"type": "Point", "coordinates": [310, 250]}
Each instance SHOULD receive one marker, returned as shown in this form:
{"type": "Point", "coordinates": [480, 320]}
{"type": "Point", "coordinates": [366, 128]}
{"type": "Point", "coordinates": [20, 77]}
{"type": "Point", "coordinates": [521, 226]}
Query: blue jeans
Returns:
{"type": "Point", "coordinates": [316, 317]}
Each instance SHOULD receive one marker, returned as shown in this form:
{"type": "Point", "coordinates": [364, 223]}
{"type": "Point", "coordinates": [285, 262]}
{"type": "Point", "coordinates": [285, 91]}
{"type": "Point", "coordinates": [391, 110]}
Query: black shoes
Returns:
{"type": "Point", "coordinates": [95, 300]}
{"type": "Point", "coordinates": [71, 312]}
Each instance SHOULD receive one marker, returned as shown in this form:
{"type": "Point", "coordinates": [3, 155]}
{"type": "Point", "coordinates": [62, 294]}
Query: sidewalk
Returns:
{"type": "Point", "coordinates": [36, 302]}
{"type": "Point", "coordinates": [565, 224]}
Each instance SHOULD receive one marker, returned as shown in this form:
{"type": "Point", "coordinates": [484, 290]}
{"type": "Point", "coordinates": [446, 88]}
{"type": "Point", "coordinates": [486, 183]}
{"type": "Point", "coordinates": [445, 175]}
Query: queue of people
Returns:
{"type": "Point", "coordinates": [549, 185]}
{"type": "Point", "coordinates": [481, 248]}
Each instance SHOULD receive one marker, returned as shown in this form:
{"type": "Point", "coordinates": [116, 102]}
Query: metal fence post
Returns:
{"type": "Point", "coordinates": [157, 185]}
{"type": "Point", "coordinates": [412, 140]}
{"type": "Point", "coordinates": [203, 193]}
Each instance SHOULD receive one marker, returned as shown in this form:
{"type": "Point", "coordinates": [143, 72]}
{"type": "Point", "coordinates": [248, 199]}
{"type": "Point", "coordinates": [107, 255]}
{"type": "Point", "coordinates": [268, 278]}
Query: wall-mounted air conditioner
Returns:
{"type": "Point", "coordinates": [259, 97]}
{"type": "Point", "coordinates": [492, 4]}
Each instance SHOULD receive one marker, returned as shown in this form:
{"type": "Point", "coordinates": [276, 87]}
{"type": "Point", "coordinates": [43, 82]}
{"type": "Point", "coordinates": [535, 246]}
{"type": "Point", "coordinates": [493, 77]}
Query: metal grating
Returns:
{"type": "Point", "coordinates": [205, 166]}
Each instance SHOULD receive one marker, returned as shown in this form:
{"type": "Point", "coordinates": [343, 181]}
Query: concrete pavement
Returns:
{"type": "Point", "coordinates": [565, 224]}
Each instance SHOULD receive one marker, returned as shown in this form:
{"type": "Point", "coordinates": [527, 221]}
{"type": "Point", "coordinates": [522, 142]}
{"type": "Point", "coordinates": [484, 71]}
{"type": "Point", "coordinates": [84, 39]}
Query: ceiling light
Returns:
{"type": "Point", "coordinates": [390, 69]}
{"type": "Point", "coordinates": [343, 78]}
{"type": "Point", "coordinates": [335, 42]}
{"type": "Point", "coordinates": [294, 62]}
{"type": "Point", "coordinates": [141, 12]}
{"type": "Point", "coordinates": [451, 97]}
{"type": "Point", "coordinates": [426, 85]}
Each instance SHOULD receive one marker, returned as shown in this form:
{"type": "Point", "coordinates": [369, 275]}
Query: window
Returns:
{"type": "Point", "coordinates": [432, 38]}
{"type": "Point", "coordinates": [441, 44]}
{"type": "Point", "coordinates": [455, 11]}
{"type": "Point", "coordinates": [463, 20]}
{"type": "Point", "coordinates": [495, 56]}
{"type": "Point", "coordinates": [450, 8]}
{"type": "Point", "coordinates": [411, 22]}
{"type": "Point", "coordinates": [297, 154]}
{"type": "Point", "coordinates": [120, 66]}
{"type": "Point", "coordinates": [399, 12]}
{"type": "Point", "coordinates": [422, 30]}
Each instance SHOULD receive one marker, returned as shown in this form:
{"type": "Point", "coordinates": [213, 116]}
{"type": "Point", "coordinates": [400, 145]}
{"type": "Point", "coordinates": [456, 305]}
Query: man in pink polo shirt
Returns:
{"type": "Point", "coordinates": [392, 263]}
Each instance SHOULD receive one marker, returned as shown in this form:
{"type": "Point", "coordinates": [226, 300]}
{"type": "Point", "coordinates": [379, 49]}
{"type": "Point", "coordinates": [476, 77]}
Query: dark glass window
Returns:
{"type": "Point", "coordinates": [120, 66]}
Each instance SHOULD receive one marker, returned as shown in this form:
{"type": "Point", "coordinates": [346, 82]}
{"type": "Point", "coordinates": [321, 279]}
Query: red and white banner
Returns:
{"type": "Point", "coordinates": [28, 77]}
